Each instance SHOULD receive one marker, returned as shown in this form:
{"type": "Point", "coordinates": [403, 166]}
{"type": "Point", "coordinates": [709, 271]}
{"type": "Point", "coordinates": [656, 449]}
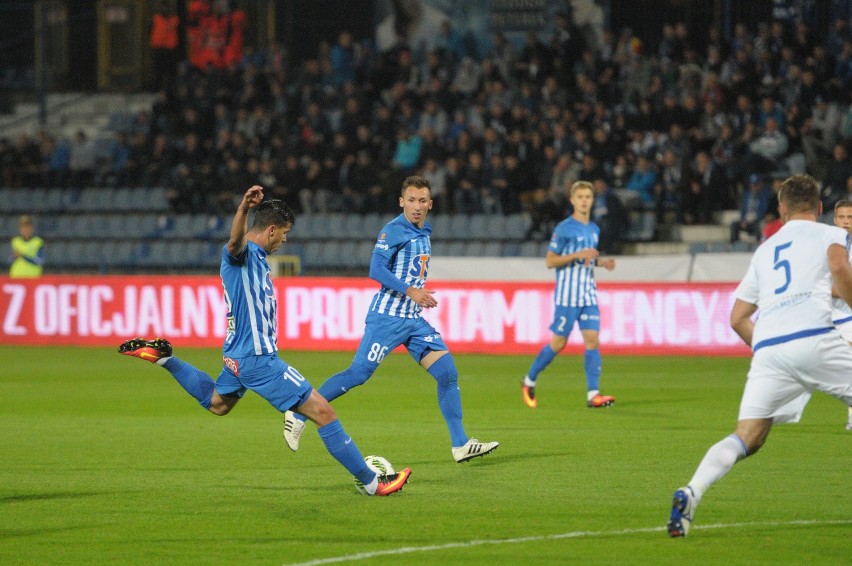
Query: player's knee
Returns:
{"type": "Point", "coordinates": [220, 406]}
{"type": "Point", "coordinates": [444, 371]}
{"type": "Point", "coordinates": [324, 414]}
{"type": "Point", "coordinates": [558, 343]}
{"type": "Point", "coordinates": [219, 410]}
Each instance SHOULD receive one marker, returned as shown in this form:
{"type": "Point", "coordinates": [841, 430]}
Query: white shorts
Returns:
{"type": "Point", "coordinates": [782, 377]}
{"type": "Point", "coordinates": [846, 331]}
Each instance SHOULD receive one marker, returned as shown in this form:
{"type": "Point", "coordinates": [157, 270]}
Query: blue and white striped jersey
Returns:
{"type": "Point", "coordinates": [575, 282]}
{"type": "Point", "coordinates": [252, 307]}
{"type": "Point", "coordinates": [841, 313]}
{"type": "Point", "coordinates": [406, 249]}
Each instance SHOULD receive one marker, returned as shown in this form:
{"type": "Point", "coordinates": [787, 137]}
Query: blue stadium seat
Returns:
{"type": "Point", "coordinates": [517, 226]}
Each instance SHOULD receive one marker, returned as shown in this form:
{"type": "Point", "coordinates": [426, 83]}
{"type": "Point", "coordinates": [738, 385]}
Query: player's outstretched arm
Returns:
{"type": "Point", "coordinates": [841, 272]}
{"type": "Point", "coordinates": [239, 226]}
{"type": "Point", "coordinates": [741, 322]}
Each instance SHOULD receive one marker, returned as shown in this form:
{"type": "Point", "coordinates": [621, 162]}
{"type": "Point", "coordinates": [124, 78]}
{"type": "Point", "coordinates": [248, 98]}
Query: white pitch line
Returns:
{"type": "Point", "coordinates": [574, 534]}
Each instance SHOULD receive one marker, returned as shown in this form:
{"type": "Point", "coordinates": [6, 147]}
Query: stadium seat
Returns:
{"type": "Point", "coordinates": [456, 249]}
{"type": "Point", "coordinates": [492, 249]}
{"type": "Point", "coordinates": [474, 248]}
{"type": "Point", "coordinates": [517, 226]}
{"type": "Point", "coordinates": [440, 226]}
{"type": "Point", "coordinates": [476, 228]}
{"type": "Point", "coordinates": [122, 199]}
{"type": "Point", "coordinates": [373, 222]}
{"type": "Point", "coordinates": [312, 254]}
{"type": "Point", "coordinates": [459, 227]}
{"type": "Point", "coordinates": [496, 227]}
{"type": "Point", "coordinates": [532, 249]}
{"type": "Point", "coordinates": [511, 249]}
{"type": "Point", "coordinates": [348, 254]}
{"type": "Point", "coordinates": [54, 200]}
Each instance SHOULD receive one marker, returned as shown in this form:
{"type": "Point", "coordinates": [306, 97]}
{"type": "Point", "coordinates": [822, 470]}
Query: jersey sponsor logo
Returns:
{"type": "Point", "coordinates": [382, 244]}
{"type": "Point", "coordinates": [232, 365]}
{"type": "Point", "coordinates": [268, 290]}
{"type": "Point", "coordinates": [419, 266]}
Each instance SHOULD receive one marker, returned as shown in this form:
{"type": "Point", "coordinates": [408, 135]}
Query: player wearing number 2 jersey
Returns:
{"type": "Point", "coordinates": [573, 253]}
{"type": "Point", "coordinates": [796, 348]}
{"type": "Point", "coordinates": [400, 264]}
{"type": "Point", "coordinates": [250, 353]}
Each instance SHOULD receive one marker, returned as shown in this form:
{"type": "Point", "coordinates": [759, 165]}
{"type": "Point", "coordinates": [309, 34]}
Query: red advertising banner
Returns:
{"type": "Point", "coordinates": [328, 313]}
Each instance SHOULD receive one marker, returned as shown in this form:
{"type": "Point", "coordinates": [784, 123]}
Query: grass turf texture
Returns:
{"type": "Point", "coordinates": [106, 460]}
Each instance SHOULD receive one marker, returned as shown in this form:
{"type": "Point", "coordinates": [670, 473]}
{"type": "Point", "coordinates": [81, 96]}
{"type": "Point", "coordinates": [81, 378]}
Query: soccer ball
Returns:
{"type": "Point", "coordinates": [381, 467]}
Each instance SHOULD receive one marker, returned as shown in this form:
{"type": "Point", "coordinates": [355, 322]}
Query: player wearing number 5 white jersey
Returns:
{"type": "Point", "coordinates": [796, 348]}
{"type": "Point", "coordinates": [842, 315]}
{"type": "Point", "coordinates": [400, 263]}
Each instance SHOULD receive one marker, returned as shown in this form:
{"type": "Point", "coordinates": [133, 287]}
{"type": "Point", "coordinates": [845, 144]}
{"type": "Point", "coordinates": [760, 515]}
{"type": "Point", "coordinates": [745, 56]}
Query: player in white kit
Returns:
{"type": "Point", "coordinates": [842, 314]}
{"type": "Point", "coordinates": [796, 348]}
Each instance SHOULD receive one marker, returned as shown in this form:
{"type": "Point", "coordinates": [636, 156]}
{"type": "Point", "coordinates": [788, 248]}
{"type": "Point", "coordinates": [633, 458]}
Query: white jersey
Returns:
{"type": "Point", "coordinates": [841, 312]}
{"type": "Point", "coordinates": [790, 282]}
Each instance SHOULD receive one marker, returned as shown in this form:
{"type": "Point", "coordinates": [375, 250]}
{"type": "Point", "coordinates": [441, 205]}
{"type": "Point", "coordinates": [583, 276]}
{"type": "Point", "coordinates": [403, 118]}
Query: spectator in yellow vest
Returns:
{"type": "Point", "coordinates": [27, 250]}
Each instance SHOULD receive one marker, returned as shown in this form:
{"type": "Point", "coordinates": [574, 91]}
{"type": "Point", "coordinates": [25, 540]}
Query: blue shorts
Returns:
{"type": "Point", "coordinates": [269, 376]}
{"type": "Point", "coordinates": [383, 333]}
{"type": "Point", "coordinates": [587, 318]}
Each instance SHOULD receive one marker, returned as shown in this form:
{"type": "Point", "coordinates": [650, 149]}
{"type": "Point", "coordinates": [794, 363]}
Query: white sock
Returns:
{"type": "Point", "coordinates": [372, 486]}
{"type": "Point", "coordinates": [591, 394]}
{"type": "Point", "coordinates": [162, 361]}
{"type": "Point", "coordinates": [717, 462]}
{"type": "Point", "coordinates": [530, 383]}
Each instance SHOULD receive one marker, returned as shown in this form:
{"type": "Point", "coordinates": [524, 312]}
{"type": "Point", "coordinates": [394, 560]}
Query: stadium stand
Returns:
{"type": "Point", "coordinates": [166, 165]}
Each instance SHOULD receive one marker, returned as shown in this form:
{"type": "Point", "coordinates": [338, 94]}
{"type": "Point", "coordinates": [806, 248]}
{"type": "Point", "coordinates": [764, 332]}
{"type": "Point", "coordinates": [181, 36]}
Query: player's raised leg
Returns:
{"type": "Point", "coordinates": [159, 351]}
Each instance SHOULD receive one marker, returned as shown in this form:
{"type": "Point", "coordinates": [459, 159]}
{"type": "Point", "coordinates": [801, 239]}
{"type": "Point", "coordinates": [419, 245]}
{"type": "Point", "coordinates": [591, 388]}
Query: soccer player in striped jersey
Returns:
{"type": "Point", "coordinates": [400, 264]}
{"type": "Point", "coordinates": [796, 349]}
{"type": "Point", "coordinates": [841, 315]}
{"type": "Point", "coordinates": [573, 253]}
{"type": "Point", "coordinates": [250, 353]}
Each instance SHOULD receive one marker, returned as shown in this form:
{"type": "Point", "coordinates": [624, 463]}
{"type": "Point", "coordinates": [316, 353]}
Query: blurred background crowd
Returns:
{"type": "Point", "coordinates": [679, 129]}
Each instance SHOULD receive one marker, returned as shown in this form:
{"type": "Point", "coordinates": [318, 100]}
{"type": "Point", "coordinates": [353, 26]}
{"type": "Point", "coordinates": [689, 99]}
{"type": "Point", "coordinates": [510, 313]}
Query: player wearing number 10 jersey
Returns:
{"type": "Point", "coordinates": [250, 353]}
{"type": "Point", "coordinates": [400, 262]}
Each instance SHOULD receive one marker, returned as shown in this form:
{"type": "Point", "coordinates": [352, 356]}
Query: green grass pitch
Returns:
{"type": "Point", "coordinates": [105, 460]}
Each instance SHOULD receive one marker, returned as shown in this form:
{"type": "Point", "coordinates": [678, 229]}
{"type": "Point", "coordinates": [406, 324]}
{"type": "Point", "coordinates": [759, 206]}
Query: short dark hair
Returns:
{"type": "Point", "coordinates": [843, 203]}
{"type": "Point", "coordinates": [271, 212]}
{"type": "Point", "coordinates": [800, 193]}
{"type": "Point", "coordinates": [415, 181]}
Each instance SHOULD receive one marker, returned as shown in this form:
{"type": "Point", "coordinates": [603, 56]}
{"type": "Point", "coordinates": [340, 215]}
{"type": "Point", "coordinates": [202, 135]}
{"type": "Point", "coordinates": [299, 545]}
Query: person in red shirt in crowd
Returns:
{"type": "Point", "coordinates": [164, 41]}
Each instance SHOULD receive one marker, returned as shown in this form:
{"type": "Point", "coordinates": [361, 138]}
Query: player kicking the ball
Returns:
{"type": "Point", "coordinates": [400, 263]}
{"type": "Point", "coordinates": [573, 253]}
{"type": "Point", "coordinates": [796, 349]}
{"type": "Point", "coordinates": [250, 352]}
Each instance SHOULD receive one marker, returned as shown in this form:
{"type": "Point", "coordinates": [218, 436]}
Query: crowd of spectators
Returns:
{"type": "Point", "coordinates": [681, 129]}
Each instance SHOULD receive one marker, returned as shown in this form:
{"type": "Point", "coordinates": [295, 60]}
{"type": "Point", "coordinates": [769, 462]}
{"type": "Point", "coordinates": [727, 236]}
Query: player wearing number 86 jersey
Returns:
{"type": "Point", "coordinates": [400, 263]}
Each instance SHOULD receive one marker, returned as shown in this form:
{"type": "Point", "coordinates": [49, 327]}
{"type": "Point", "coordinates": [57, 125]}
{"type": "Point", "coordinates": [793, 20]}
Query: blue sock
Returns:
{"type": "Point", "coordinates": [541, 361]}
{"type": "Point", "coordinates": [194, 381]}
{"type": "Point", "coordinates": [449, 397]}
{"type": "Point", "coordinates": [340, 383]}
{"type": "Point", "coordinates": [592, 365]}
{"type": "Point", "coordinates": [343, 448]}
